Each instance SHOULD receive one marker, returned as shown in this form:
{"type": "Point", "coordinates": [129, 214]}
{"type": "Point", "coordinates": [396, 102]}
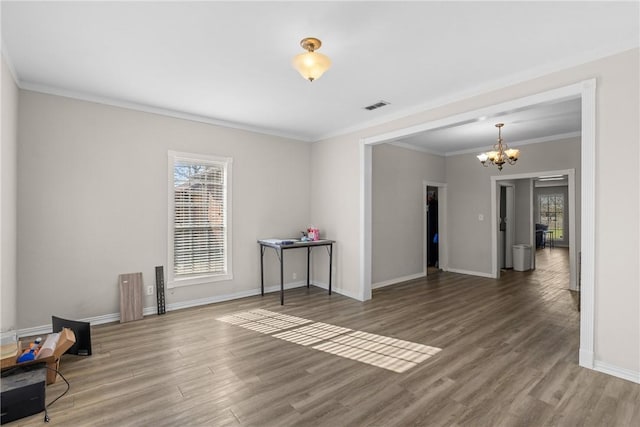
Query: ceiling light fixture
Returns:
{"type": "Point", "coordinates": [550, 176]}
{"type": "Point", "coordinates": [500, 154]}
{"type": "Point", "coordinates": [311, 65]}
{"type": "Point", "coordinates": [551, 179]}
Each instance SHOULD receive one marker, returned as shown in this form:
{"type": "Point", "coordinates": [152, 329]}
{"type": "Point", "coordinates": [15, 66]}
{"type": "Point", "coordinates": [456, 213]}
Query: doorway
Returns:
{"type": "Point", "coordinates": [575, 239]}
{"type": "Point", "coordinates": [586, 91]}
{"type": "Point", "coordinates": [552, 218]}
{"type": "Point", "coordinates": [434, 246]}
{"type": "Point", "coordinates": [432, 260]}
{"type": "Point", "coordinates": [506, 220]}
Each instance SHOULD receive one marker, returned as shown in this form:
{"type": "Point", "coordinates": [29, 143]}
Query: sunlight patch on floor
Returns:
{"type": "Point", "coordinates": [377, 350]}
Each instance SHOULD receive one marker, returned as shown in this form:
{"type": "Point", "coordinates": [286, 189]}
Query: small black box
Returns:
{"type": "Point", "coordinates": [22, 392]}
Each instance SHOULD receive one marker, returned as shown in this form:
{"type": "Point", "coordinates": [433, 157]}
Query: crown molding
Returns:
{"type": "Point", "coordinates": [417, 148]}
{"type": "Point", "coordinates": [112, 102]}
{"type": "Point", "coordinates": [8, 62]}
{"type": "Point", "coordinates": [497, 84]}
{"type": "Point", "coordinates": [556, 137]}
{"type": "Point", "coordinates": [520, 143]}
{"type": "Point", "coordinates": [542, 70]}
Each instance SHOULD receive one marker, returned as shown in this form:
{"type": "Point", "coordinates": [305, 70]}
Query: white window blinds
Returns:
{"type": "Point", "coordinates": [200, 243]}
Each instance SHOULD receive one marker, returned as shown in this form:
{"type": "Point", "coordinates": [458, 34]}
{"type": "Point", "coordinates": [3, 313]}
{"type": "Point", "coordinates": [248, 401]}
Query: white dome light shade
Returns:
{"type": "Point", "coordinates": [311, 65]}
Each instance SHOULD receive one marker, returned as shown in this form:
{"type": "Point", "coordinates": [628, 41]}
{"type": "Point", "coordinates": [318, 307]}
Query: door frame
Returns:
{"type": "Point", "coordinates": [443, 259]}
{"type": "Point", "coordinates": [573, 250]}
{"type": "Point", "coordinates": [509, 232]}
{"type": "Point", "coordinates": [585, 90]}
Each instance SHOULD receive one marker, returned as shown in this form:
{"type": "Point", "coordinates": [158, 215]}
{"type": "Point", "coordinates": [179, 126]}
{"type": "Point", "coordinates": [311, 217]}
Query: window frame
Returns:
{"type": "Point", "coordinates": [197, 279]}
{"type": "Point", "coordinates": [556, 195]}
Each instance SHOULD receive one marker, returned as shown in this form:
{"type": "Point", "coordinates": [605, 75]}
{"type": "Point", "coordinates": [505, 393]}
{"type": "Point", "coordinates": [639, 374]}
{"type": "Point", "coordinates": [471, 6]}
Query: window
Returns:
{"type": "Point", "coordinates": [199, 219]}
{"type": "Point", "coordinates": [551, 213]}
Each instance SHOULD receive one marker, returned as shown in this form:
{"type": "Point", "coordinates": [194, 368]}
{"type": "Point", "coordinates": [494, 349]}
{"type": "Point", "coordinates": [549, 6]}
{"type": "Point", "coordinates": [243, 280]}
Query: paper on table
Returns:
{"type": "Point", "coordinates": [279, 241]}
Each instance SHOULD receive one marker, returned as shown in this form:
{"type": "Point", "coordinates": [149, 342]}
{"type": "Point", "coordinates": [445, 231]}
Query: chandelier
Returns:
{"type": "Point", "coordinates": [500, 154]}
{"type": "Point", "coordinates": [311, 65]}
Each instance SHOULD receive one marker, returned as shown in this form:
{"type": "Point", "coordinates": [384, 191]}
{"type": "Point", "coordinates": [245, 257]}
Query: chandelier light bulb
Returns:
{"type": "Point", "coordinates": [500, 153]}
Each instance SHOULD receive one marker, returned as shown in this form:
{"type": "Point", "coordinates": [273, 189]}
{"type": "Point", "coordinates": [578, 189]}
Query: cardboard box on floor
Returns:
{"type": "Point", "coordinates": [66, 340]}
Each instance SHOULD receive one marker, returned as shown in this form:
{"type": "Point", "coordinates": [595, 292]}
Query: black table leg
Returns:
{"type": "Point", "coordinates": [262, 270]}
{"type": "Point", "coordinates": [281, 277]}
{"type": "Point", "coordinates": [308, 253]}
{"type": "Point", "coordinates": [330, 262]}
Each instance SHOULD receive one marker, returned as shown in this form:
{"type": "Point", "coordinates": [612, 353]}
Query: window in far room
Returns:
{"type": "Point", "coordinates": [199, 219]}
{"type": "Point", "coordinates": [551, 213]}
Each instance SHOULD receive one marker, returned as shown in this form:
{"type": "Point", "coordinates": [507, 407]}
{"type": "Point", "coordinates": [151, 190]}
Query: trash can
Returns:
{"type": "Point", "coordinates": [522, 257]}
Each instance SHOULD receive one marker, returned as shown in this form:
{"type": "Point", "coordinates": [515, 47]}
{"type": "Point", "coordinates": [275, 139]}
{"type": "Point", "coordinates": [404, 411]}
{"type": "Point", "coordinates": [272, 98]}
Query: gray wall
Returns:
{"type": "Point", "coordinates": [398, 209]}
{"type": "Point", "coordinates": [9, 188]}
{"type": "Point", "coordinates": [92, 181]}
{"type": "Point", "coordinates": [469, 193]}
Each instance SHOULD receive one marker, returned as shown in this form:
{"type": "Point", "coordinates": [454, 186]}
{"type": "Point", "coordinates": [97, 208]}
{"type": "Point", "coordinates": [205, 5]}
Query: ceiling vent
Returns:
{"type": "Point", "coordinates": [376, 105]}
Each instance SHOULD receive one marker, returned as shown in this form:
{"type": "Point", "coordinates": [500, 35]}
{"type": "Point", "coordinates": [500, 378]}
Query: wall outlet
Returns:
{"type": "Point", "coordinates": [295, 276]}
{"type": "Point", "coordinates": [149, 290]}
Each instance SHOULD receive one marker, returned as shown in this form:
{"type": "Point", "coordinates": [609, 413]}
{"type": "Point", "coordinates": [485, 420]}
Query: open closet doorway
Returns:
{"type": "Point", "coordinates": [434, 248]}
{"type": "Point", "coordinates": [432, 253]}
{"type": "Point", "coordinates": [506, 221]}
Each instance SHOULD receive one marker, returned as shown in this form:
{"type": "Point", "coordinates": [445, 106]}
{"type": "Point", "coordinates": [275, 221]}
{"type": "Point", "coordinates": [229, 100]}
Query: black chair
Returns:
{"type": "Point", "coordinates": [540, 235]}
{"type": "Point", "coordinates": [82, 330]}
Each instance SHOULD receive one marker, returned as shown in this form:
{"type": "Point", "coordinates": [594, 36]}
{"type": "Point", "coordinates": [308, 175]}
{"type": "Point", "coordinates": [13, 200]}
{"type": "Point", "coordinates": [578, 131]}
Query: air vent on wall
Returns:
{"type": "Point", "coordinates": [376, 105]}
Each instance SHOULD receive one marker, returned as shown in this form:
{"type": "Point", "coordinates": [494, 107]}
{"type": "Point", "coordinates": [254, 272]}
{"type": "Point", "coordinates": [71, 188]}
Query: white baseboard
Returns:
{"type": "Point", "coordinates": [625, 374]}
{"type": "Point", "coordinates": [147, 311]}
{"type": "Point", "coordinates": [585, 358]}
{"type": "Point", "coordinates": [470, 273]}
{"type": "Point", "coordinates": [8, 337]}
{"type": "Point", "coordinates": [397, 280]}
{"type": "Point", "coordinates": [336, 290]}
{"type": "Point", "coordinates": [227, 297]}
{"type": "Point", "coordinates": [35, 330]}
{"type": "Point", "coordinates": [96, 320]}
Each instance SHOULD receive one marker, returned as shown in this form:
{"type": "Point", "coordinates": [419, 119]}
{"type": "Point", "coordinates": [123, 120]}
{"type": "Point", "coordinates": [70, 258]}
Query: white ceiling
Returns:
{"type": "Point", "coordinates": [230, 62]}
{"type": "Point", "coordinates": [534, 124]}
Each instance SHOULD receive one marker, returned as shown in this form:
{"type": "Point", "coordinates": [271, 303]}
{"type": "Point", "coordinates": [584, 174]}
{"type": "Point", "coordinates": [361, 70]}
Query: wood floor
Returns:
{"type": "Point", "coordinates": [509, 358]}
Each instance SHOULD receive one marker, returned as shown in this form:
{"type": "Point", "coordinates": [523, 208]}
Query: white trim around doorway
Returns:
{"type": "Point", "coordinates": [586, 91]}
{"type": "Point", "coordinates": [573, 250]}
